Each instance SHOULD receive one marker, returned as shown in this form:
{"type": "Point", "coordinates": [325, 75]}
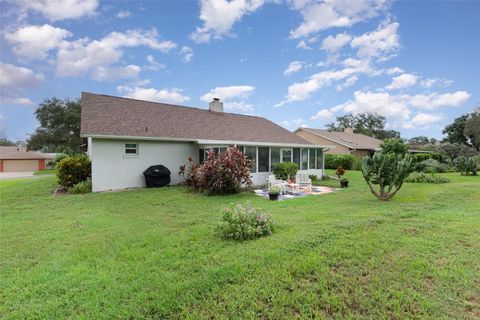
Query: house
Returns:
{"type": "Point", "coordinates": [345, 142]}
{"type": "Point", "coordinates": [126, 136]}
{"type": "Point", "coordinates": [18, 159]}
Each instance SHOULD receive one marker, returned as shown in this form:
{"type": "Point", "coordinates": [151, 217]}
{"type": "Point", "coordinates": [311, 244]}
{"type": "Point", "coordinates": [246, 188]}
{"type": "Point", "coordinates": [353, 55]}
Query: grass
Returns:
{"type": "Point", "coordinates": [153, 254]}
{"type": "Point", "coordinates": [45, 172]}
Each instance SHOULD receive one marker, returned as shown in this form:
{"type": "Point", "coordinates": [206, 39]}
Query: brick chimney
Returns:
{"type": "Point", "coordinates": [216, 105]}
{"type": "Point", "coordinates": [348, 130]}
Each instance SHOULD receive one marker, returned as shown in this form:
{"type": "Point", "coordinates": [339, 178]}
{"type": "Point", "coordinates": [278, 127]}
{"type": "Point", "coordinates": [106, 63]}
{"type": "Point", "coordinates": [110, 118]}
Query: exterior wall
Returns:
{"type": "Point", "coordinates": [41, 164]}
{"type": "Point", "coordinates": [20, 165]}
{"type": "Point", "coordinates": [312, 138]}
{"type": "Point", "coordinates": [113, 170]}
{"type": "Point", "coordinates": [361, 153]}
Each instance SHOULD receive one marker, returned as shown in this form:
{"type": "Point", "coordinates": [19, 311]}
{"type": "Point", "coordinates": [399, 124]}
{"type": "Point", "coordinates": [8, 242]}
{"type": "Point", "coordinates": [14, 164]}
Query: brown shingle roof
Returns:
{"type": "Point", "coordinates": [351, 140]}
{"type": "Point", "coordinates": [20, 153]}
{"type": "Point", "coordinates": [114, 116]}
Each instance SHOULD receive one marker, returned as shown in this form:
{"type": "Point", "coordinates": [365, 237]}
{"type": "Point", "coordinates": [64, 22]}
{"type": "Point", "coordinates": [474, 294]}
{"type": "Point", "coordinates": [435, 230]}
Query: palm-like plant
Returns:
{"type": "Point", "coordinates": [386, 170]}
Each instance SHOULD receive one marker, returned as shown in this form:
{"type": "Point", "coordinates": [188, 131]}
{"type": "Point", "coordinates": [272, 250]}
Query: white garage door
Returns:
{"type": "Point", "coordinates": [20, 165]}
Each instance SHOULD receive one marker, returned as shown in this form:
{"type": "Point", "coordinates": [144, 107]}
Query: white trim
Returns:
{"type": "Point", "coordinates": [206, 142]}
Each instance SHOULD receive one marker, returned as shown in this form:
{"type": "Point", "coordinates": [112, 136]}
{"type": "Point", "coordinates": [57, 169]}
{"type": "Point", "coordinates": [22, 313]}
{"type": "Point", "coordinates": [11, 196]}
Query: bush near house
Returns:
{"type": "Point", "coordinates": [285, 170]}
{"type": "Point", "coordinates": [347, 161]}
{"type": "Point", "coordinates": [466, 165]}
{"type": "Point", "coordinates": [82, 187]}
{"type": "Point", "coordinates": [220, 174]}
{"type": "Point", "coordinates": [421, 177]}
{"type": "Point", "coordinates": [73, 170]}
{"type": "Point", "coordinates": [431, 166]}
{"type": "Point", "coordinates": [244, 222]}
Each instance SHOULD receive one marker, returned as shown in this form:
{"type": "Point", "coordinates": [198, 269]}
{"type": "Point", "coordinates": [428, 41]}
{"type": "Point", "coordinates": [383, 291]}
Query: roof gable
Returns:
{"type": "Point", "coordinates": [115, 116]}
{"type": "Point", "coordinates": [20, 153]}
{"type": "Point", "coordinates": [350, 140]}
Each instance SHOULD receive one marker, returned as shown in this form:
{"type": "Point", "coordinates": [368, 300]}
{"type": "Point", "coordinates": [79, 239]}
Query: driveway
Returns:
{"type": "Point", "coordinates": [15, 175]}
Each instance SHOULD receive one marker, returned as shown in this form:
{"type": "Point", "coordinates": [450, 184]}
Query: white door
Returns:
{"type": "Point", "coordinates": [20, 165]}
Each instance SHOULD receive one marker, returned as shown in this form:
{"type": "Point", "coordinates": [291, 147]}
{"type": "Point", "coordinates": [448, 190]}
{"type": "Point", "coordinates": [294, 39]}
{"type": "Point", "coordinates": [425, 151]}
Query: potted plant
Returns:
{"type": "Point", "coordinates": [344, 183]}
{"type": "Point", "coordinates": [273, 193]}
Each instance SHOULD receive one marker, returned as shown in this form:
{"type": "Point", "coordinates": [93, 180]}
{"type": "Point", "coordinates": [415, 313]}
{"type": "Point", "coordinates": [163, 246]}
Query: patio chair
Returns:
{"type": "Point", "coordinates": [303, 181]}
{"type": "Point", "coordinates": [273, 182]}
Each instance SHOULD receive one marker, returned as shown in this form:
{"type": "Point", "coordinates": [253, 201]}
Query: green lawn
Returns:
{"type": "Point", "coordinates": [45, 172]}
{"type": "Point", "coordinates": [153, 254]}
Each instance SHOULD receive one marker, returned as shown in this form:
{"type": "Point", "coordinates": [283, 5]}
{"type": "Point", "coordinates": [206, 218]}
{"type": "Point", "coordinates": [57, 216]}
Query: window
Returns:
{"type": "Point", "coordinates": [251, 153]}
{"type": "Point", "coordinates": [311, 158]}
{"type": "Point", "coordinates": [131, 149]}
{"type": "Point", "coordinates": [286, 155]}
{"type": "Point", "coordinates": [201, 155]}
{"type": "Point", "coordinates": [274, 157]}
{"type": "Point", "coordinates": [263, 159]}
{"type": "Point", "coordinates": [304, 162]}
{"type": "Point", "coordinates": [296, 156]}
{"type": "Point", "coordinates": [319, 158]}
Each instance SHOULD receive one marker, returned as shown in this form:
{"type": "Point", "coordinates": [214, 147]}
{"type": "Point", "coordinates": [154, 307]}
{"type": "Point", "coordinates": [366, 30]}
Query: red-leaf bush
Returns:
{"type": "Point", "coordinates": [221, 173]}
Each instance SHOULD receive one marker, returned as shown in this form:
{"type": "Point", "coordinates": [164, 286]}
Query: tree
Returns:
{"type": "Point", "coordinates": [472, 129]}
{"type": "Point", "coordinates": [418, 141]}
{"type": "Point", "coordinates": [370, 124]}
{"type": "Point", "coordinates": [59, 129]}
{"type": "Point", "coordinates": [386, 170]}
{"type": "Point", "coordinates": [394, 146]}
{"type": "Point", "coordinates": [7, 143]}
{"type": "Point", "coordinates": [464, 130]}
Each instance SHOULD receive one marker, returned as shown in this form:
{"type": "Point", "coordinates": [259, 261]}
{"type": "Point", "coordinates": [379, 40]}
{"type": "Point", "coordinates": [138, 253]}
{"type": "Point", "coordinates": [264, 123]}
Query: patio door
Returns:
{"type": "Point", "coordinates": [286, 155]}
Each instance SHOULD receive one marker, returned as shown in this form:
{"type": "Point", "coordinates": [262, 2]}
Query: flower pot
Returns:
{"type": "Point", "coordinates": [273, 196]}
{"type": "Point", "coordinates": [344, 184]}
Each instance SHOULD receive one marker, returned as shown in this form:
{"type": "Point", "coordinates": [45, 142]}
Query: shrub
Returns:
{"type": "Point", "coordinates": [82, 187]}
{"type": "Point", "coordinates": [420, 157]}
{"type": "Point", "coordinates": [313, 177]}
{"type": "Point", "coordinates": [347, 161]}
{"type": "Point", "coordinates": [395, 146]}
{"type": "Point", "coordinates": [59, 157]}
{"type": "Point", "coordinates": [243, 222]}
{"type": "Point", "coordinates": [274, 190]}
{"type": "Point", "coordinates": [340, 172]}
{"type": "Point", "coordinates": [220, 174]}
{"type": "Point", "coordinates": [466, 165]}
{"type": "Point", "coordinates": [72, 170]}
{"type": "Point", "coordinates": [285, 170]}
{"type": "Point", "coordinates": [420, 177]}
{"type": "Point", "coordinates": [431, 166]}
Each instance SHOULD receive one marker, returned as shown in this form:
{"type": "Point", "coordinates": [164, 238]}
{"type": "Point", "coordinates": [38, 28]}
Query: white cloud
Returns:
{"type": "Point", "coordinates": [333, 44]}
{"type": "Point", "coordinates": [303, 45]}
{"type": "Point", "coordinates": [173, 95]}
{"type": "Point", "coordinates": [318, 16]}
{"type": "Point", "coordinates": [423, 121]}
{"type": "Point", "coordinates": [115, 73]}
{"type": "Point", "coordinates": [436, 100]}
{"type": "Point", "coordinates": [154, 65]}
{"type": "Point", "coordinates": [348, 83]}
{"type": "Point", "coordinates": [124, 14]}
{"type": "Point", "coordinates": [59, 10]}
{"type": "Point", "coordinates": [430, 82]}
{"type": "Point", "coordinates": [240, 106]}
{"type": "Point", "coordinates": [377, 43]}
{"type": "Point", "coordinates": [294, 124]}
{"type": "Point", "coordinates": [186, 53]}
{"type": "Point", "coordinates": [80, 57]}
{"type": "Point", "coordinates": [324, 114]}
{"type": "Point", "coordinates": [14, 80]}
{"type": "Point", "coordinates": [394, 70]}
{"type": "Point", "coordinates": [228, 93]}
{"type": "Point", "coordinates": [293, 67]}
{"type": "Point", "coordinates": [402, 81]}
{"type": "Point", "coordinates": [219, 16]}
{"type": "Point", "coordinates": [34, 42]}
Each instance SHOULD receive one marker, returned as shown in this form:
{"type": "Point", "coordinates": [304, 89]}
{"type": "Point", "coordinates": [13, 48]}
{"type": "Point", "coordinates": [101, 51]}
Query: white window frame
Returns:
{"type": "Point", "coordinates": [286, 149]}
{"type": "Point", "coordinates": [125, 154]}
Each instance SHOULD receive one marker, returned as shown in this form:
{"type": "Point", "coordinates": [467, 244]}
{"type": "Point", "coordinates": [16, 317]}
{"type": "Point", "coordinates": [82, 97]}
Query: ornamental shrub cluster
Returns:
{"type": "Point", "coordinates": [347, 161]}
{"type": "Point", "coordinates": [285, 170]}
{"type": "Point", "coordinates": [244, 222]}
{"type": "Point", "coordinates": [431, 166]}
{"type": "Point", "coordinates": [466, 165]}
{"type": "Point", "coordinates": [73, 170]}
{"type": "Point", "coordinates": [82, 187]}
{"type": "Point", "coordinates": [223, 173]}
{"type": "Point", "coordinates": [420, 177]}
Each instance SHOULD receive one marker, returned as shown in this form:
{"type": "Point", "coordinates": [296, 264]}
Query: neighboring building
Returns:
{"type": "Point", "coordinates": [345, 142]}
{"type": "Point", "coordinates": [18, 159]}
{"type": "Point", "coordinates": [126, 136]}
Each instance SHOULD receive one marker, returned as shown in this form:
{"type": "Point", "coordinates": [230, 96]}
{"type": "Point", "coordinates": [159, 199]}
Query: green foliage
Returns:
{"type": "Point", "coordinates": [219, 174]}
{"type": "Point", "coordinates": [431, 166]}
{"type": "Point", "coordinates": [60, 156]}
{"type": "Point", "coordinates": [466, 165]}
{"type": "Point", "coordinates": [386, 170]}
{"type": "Point", "coordinates": [420, 177]}
{"type": "Point", "coordinates": [244, 222]}
{"type": "Point", "coordinates": [285, 170]}
{"type": "Point", "coordinates": [464, 130]}
{"type": "Point", "coordinates": [347, 161]}
{"type": "Point", "coordinates": [82, 187]}
{"type": "Point", "coordinates": [419, 157]}
{"type": "Point", "coordinates": [274, 190]}
{"type": "Point", "coordinates": [7, 143]}
{"type": "Point", "coordinates": [394, 146]}
{"type": "Point", "coordinates": [72, 170]}
{"type": "Point", "coordinates": [59, 129]}
{"type": "Point", "coordinates": [472, 129]}
{"type": "Point", "coordinates": [314, 178]}
{"type": "Point", "coordinates": [370, 124]}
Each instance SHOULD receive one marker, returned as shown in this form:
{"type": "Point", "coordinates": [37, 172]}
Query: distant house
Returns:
{"type": "Point", "coordinates": [126, 136]}
{"type": "Point", "coordinates": [18, 159]}
{"type": "Point", "coordinates": [345, 142]}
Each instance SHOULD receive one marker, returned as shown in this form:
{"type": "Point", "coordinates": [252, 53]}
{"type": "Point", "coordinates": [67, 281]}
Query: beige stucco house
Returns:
{"type": "Point", "coordinates": [345, 142]}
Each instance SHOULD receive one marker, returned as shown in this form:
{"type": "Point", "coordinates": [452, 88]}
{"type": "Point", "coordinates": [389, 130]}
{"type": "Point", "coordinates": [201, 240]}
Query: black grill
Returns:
{"type": "Point", "coordinates": [157, 176]}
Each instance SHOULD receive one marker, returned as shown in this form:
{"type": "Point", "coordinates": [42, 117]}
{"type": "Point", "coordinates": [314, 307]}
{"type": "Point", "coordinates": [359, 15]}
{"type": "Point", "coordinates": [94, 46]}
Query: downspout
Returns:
{"type": "Point", "coordinates": [323, 160]}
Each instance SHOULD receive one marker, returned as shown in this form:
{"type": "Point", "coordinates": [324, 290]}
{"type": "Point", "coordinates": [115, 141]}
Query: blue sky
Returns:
{"type": "Point", "coordinates": [298, 63]}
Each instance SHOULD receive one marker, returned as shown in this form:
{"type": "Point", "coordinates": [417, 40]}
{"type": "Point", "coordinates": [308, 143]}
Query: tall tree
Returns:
{"type": "Point", "coordinates": [472, 129]}
{"type": "Point", "coordinates": [370, 124]}
{"type": "Point", "coordinates": [59, 129]}
{"type": "Point", "coordinates": [418, 141]}
{"type": "Point", "coordinates": [464, 130]}
{"type": "Point", "coordinates": [7, 143]}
